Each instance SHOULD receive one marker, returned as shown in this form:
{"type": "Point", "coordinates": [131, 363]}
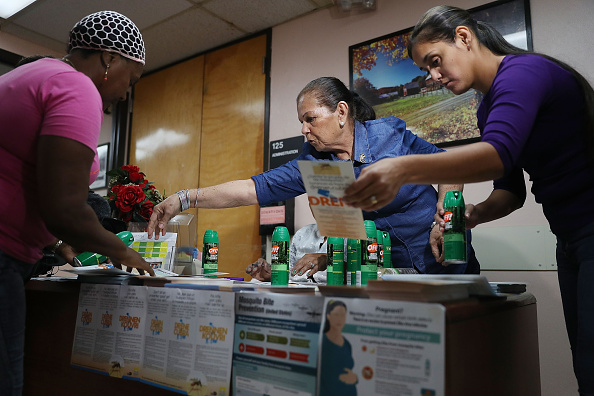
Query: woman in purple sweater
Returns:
{"type": "Point", "coordinates": [537, 115]}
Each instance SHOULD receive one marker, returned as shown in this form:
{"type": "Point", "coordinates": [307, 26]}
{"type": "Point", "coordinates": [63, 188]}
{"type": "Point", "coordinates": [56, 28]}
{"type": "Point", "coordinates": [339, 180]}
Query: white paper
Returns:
{"type": "Point", "coordinates": [391, 347]}
{"type": "Point", "coordinates": [96, 322]}
{"type": "Point", "coordinates": [325, 182]}
{"type": "Point", "coordinates": [189, 340]}
{"type": "Point", "coordinates": [158, 253]}
{"type": "Point", "coordinates": [176, 339]}
{"type": "Point", "coordinates": [110, 270]}
{"type": "Point", "coordinates": [109, 330]}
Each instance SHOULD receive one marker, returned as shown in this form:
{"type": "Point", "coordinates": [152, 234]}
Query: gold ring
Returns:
{"type": "Point", "coordinates": [373, 200]}
{"type": "Point", "coordinates": [312, 264]}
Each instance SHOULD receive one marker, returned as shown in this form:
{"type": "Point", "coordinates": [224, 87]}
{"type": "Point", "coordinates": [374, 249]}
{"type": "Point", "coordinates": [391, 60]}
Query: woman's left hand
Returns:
{"type": "Point", "coordinates": [436, 242]}
{"type": "Point", "coordinates": [311, 262]}
{"type": "Point", "coordinates": [349, 377]}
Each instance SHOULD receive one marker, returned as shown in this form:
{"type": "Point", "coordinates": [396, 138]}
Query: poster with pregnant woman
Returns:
{"type": "Point", "coordinates": [381, 347]}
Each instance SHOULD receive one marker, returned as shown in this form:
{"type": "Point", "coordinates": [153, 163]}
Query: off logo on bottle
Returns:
{"type": "Point", "coordinates": [274, 252]}
{"type": "Point", "coordinates": [372, 248]}
{"type": "Point", "coordinates": [448, 220]}
{"type": "Point", "coordinates": [213, 250]}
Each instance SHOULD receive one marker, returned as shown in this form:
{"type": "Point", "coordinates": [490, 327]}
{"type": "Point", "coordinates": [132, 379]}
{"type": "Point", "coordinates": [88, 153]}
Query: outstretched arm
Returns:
{"type": "Point", "coordinates": [63, 167]}
{"type": "Point", "coordinates": [226, 195]}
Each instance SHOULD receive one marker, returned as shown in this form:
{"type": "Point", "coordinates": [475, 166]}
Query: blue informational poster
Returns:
{"type": "Point", "coordinates": [276, 344]}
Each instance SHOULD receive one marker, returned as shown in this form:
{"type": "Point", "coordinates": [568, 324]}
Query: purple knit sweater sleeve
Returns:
{"type": "Point", "coordinates": [510, 108]}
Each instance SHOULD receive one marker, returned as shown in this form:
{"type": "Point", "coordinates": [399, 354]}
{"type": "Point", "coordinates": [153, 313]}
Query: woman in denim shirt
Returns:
{"type": "Point", "coordinates": [340, 126]}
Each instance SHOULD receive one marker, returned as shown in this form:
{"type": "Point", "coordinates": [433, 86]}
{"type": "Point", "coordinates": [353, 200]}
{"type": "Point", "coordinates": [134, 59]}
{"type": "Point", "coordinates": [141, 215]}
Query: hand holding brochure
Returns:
{"type": "Point", "coordinates": [325, 182]}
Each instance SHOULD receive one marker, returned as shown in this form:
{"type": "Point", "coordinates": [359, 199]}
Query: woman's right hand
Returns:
{"type": "Point", "coordinates": [133, 259]}
{"type": "Point", "coordinates": [310, 262]}
{"type": "Point", "coordinates": [259, 270]}
{"type": "Point", "coordinates": [162, 213]}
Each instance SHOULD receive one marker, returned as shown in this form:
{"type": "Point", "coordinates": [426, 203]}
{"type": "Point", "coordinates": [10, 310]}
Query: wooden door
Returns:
{"type": "Point", "coordinates": [166, 126]}
{"type": "Point", "coordinates": [201, 123]}
{"type": "Point", "coordinates": [232, 146]}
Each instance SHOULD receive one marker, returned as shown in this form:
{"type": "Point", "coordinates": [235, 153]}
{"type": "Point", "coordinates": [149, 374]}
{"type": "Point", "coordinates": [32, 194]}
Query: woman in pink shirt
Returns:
{"type": "Point", "coordinates": [50, 115]}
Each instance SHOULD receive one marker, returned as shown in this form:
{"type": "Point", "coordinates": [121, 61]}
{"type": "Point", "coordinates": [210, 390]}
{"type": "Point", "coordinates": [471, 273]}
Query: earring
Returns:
{"type": "Point", "coordinates": [341, 123]}
{"type": "Point", "coordinates": [106, 70]}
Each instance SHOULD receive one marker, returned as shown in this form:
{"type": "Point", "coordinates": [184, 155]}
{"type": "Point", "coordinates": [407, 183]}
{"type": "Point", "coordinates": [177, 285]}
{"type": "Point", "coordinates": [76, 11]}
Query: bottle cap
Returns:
{"type": "Point", "coordinates": [280, 234]}
{"type": "Point", "coordinates": [380, 237]}
{"type": "Point", "coordinates": [370, 229]}
{"type": "Point", "coordinates": [453, 198]}
{"type": "Point", "coordinates": [211, 236]}
{"type": "Point", "coordinates": [333, 240]}
{"type": "Point", "coordinates": [126, 237]}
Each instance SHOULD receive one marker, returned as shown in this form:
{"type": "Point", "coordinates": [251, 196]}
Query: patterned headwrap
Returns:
{"type": "Point", "coordinates": [108, 31]}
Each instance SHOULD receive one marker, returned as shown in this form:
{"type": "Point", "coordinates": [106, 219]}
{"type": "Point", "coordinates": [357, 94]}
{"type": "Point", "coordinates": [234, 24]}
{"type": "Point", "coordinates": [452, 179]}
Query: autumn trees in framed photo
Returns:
{"type": "Point", "coordinates": [384, 75]}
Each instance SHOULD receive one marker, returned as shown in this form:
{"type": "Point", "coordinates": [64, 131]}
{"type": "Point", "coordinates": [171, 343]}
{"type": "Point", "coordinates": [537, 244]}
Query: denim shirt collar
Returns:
{"type": "Point", "coordinates": [361, 151]}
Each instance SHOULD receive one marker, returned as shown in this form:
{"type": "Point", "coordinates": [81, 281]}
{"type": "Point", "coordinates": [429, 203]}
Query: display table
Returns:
{"type": "Point", "coordinates": [491, 347]}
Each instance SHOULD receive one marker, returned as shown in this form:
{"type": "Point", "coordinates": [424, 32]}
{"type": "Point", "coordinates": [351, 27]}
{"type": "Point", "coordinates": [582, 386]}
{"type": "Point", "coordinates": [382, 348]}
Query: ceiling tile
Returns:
{"type": "Point", "coordinates": [256, 15]}
{"type": "Point", "coordinates": [173, 30]}
{"type": "Point", "coordinates": [55, 18]}
{"type": "Point", "coordinates": [187, 34]}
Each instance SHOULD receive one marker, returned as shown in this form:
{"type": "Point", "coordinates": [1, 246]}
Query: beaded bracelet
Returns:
{"type": "Point", "coordinates": [184, 199]}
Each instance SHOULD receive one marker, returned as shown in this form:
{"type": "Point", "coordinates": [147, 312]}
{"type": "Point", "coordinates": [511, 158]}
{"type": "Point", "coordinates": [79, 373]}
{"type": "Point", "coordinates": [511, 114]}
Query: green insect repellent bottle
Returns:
{"type": "Point", "coordinates": [90, 258]}
{"type": "Point", "coordinates": [380, 249]}
{"type": "Point", "coordinates": [353, 273]}
{"type": "Point", "coordinates": [279, 259]}
{"type": "Point", "coordinates": [455, 228]}
{"type": "Point", "coordinates": [369, 253]}
{"type": "Point", "coordinates": [210, 252]}
{"type": "Point", "coordinates": [387, 250]}
{"type": "Point", "coordinates": [335, 268]}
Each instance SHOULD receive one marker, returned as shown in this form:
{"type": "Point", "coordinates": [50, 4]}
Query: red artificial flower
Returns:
{"type": "Point", "coordinates": [116, 188]}
{"type": "Point", "coordinates": [128, 196]}
{"type": "Point", "coordinates": [136, 177]}
{"type": "Point", "coordinates": [131, 196]}
{"type": "Point", "coordinates": [146, 210]}
{"type": "Point", "coordinates": [130, 168]}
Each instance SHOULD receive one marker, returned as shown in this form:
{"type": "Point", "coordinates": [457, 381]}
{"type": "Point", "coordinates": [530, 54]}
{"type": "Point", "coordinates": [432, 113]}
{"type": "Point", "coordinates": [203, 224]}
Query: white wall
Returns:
{"type": "Point", "coordinates": [317, 45]}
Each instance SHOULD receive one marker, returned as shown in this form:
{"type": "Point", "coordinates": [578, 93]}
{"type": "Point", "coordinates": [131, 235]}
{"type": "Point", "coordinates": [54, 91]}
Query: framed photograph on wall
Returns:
{"type": "Point", "coordinates": [101, 181]}
{"type": "Point", "coordinates": [382, 73]}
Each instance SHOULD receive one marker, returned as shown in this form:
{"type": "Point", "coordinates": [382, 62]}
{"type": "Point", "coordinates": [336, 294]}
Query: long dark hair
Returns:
{"type": "Point", "coordinates": [328, 91]}
{"type": "Point", "coordinates": [329, 308]}
{"type": "Point", "coordinates": [439, 24]}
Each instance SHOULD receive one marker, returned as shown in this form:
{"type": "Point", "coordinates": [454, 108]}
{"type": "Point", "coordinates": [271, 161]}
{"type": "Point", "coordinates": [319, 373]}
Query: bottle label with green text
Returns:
{"type": "Point", "coordinates": [335, 269]}
{"type": "Point", "coordinates": [210, 257]}
{"type": "Point", "coordinates": [279, 263]}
